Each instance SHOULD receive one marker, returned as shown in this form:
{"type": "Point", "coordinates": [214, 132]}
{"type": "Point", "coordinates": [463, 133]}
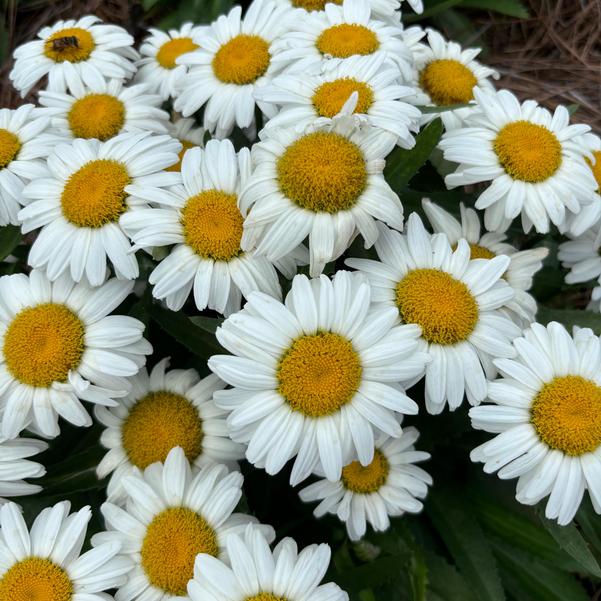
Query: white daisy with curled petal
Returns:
{"type": "Point", "coordinates": [15, 467]}
{"type": "Point", "coordinates": [24, 145]}
{"type": "Point", "coordinates": [322, 40]}
{"type": "Point", "coordinates": [326, 184]}
{"type": "Point", "coordinates": [203, 218]}
{"type": "Point", "coordinates": [84, 192]}
{"type": "Point", "coordinates": [46, 562]}
{"type": "Point", "coordinates": [74, 51]}
{"type": "Point", "coordinates": [163, 410]}
{"type": "Point", "coordinates": [388, 487]}
{"type": "Point", "coordinates": [259, 574]}
{"type": "Point", "coordinates": [546, 411]}
{"type": "Point", "coordinates": [172, 514]}
{"type": "Point", "coordinates": [533, 160]}
{"type": "Point", "coordinates": [104, 110]}
{"type": "Point", "coordinates": [523, 264]}
{"type": "Point", "coordinates": [236, 56]}
{"type": "Point", "coordinates": [316, 378]}
{"type": "Point", "coordinates": [454, 300]}
{"type": "Point", "coordinates": [160, 50]}
{"type": "Point", "coordinates": [365, 87]}
{"type": "Point", "coordinates": [60, 346]}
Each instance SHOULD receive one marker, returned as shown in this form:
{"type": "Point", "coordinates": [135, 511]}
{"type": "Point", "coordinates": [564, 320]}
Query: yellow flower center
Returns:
{"type": "Point", "coordinates": [95, 194]}
{"type": "Point", "coordinates": [527, 151]}
{"type": "Point", "coordinates": [442, 306]}
{"type": "Point", "coordinates": [99, 116]}
{"type": "Point", "coordinates": [157, 423]}
{"type": "Point", "coordinates": [43, 343]}
{"type": "Point", "coordinates": [171, 50]}
{"type": "Point", "coordinates": [212, 225]}
{"type": "Point", "coordinates": [186, 145]}
{"type": "Point", "coordinates": [448, 81]}
{"type": "Point", "coordinates": [242, 60]}
{"type": "Point", "coordinates": [173, 540]}
{"type": "Point", "coordinates": [265, 597]}
{"type": "Point", "coordinates": [479, 252]}
{"type": "Point", "coordinates": [72, 44]}
{"type": "Point", "coordinates": [347, 39]}
{"type": "Point", "coordinates": [9, 147]}
{"type": "Point", "coordinates": [35, 579]}
{"type": "Point", "coordinates": [330, 97]}
{"type": "Point", "coordinates": [322, 172]}
{"type": "Point", "coordinates": [566, 414]}
{"type": "Point", "coordinates": [595, 167]}
{"type": "Point", "coordinates": [319, 374]}
{"type": "Point", "coordinates": [366, 479]}
{"type": "Point", "coordinates": [312, 5]}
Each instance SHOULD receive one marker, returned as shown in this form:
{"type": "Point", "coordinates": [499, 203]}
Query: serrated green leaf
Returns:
{"type": "Point", "coordinates": [570, 318]}
{"type": "Point", "coordinates": [10, 236]}
{"type": "Point", "coordinates": [590, 523]}
{"type": "Point", "coordinates": [402, 164]}
{"type": "Point", "coordinates": [445, 581]}
{"type": "Point", "coordinates": [466, 542]}
{"type": "Point", "coordinates": [512, 8]}
{"type": "Point", "coordinates": [372, 574]}
{"type": "Point", "coordinates": [571, 541]}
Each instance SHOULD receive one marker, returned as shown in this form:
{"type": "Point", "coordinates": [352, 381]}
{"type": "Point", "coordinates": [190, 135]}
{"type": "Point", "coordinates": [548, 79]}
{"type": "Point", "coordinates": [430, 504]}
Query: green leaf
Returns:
{"type": "Point", "coordinates": [466, 542]}
{"type": "Point", "coordinates": [10, 236]}
{"type": "Point", "coordinates": [431, 8]}
{"type": "Point", "coordinates": [512, 8]}
{"type": "Point", "coordinates": [571, 541]}
{"type": "Point", "coordinates": [403, 164]}
{"type": "Point", "coordinates": [208, 324]}
{"type": "Point", "coordinates": [570, 318]}
{"type": "Point", "coordinates": [445, 581]}
{"type": "Point", "coordinates": [590, 523]}
{"type": "Point", "coordinates": [372, 574]}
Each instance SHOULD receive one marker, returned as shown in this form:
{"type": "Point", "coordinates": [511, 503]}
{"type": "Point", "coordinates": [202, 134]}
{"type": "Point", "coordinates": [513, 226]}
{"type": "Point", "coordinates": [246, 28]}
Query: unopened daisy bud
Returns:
{"type": "Point", "coordinates": [546, 411]}
{"type": "Point", "coordinates": [15, 467]}
{"type": "Point", "coordinates": [315, 378]}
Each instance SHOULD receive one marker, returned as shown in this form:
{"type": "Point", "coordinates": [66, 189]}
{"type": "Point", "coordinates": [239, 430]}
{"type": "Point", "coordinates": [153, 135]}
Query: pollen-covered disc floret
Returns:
{"type": "Point", "coordinates": [104, 109]}
{"type": "Point", "coordinates": [164, 410]}
{"type": "Point", "coordinates": [256, 573]}
{"type": "Point", "coordinates": [87, 187]}
{"type": "Point", "coordinates": [204, 219]}
{"type": "Point", "coordinates": [159, 68]}
{"type": "Point", "coordinates": [15, 467]}
{"type": "Point", "coordinates": [326, 185]}
{"type": "Point", "coordinates": [546, 410]}
{"type": "Point", "coordinates": [46, 563]}
{"type": "Point", "coordinates": [72, 52]}
{"type": "Point", "coordinates": [533, 160]}
{"type": "Point", "coordinates": [235, 57]}
{"type": "Point", "coordinates": [365, 87]}
{"type": "Point", "coordinates": [456, 302]}
{"type": "Point", "coordinates": [59, 346]}
{"type": "Point", "coordinates": [171, 514]}
{"type": "Point", "coordinates": [309, 374]}
{"type": "Point", "coordinates": [389, 486]}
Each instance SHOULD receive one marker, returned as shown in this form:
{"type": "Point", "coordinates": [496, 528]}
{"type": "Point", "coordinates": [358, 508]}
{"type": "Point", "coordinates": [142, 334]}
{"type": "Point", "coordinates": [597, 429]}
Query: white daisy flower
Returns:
{"type": "Point", "coordinates": [236, 56]}
{"type": "Point", "coordinates": [547, 414]}
{"type": "Point", "coordinates": [158, 68]}
{"type": "Point", "coordinates": [162, 411]}
{"type": "Point", "coordinates": [446, 74]}
{"type": "Point", "coordinates": [327, 185]}
{"type": "Point", "coordinates": [15, 467]}
{"type": "Point", "coordinates": [46, 562]}
{"type": "Point", "coordinates": [189, 136]}
{"type": "Point", "coordinates": [531, 157]}
{"type": "Point", "coordinates": [365, 87]}
{"type": "Point", "coordinates": [83, 194]}
{"type": "Point", "coordinates": [23, 146]}
{"type": "Point", "coordinates": [104, 110]}
{"type": "Point", "coordinates": [60, 346]}
{"type": "Point", "coordinates": [388, 487]}
{"type": "Point", "coordinates": [84, 50]}
{"type": "Point", "coordinates": [455, 302]}
{"type": "Point", "coordinates": [316, 377]}
{"type": "Point", "coordinates": [320, 41]}
{"type": "Point", "coordinates": [203, 218]}
{"type": "Point", "coordinates": [259, 574]}
{"type": "Point", "coordinates": [523, 264]}
{"type": "Point", "coordinates": [382, 9]}
{"type": "Point", "coordinates": [172, 514]}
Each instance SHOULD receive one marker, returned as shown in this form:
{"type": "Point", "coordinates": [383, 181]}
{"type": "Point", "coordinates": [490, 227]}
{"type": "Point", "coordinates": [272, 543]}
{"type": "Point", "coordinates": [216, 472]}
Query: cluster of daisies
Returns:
{"type": "Point", "coordinates": [128, 152]}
